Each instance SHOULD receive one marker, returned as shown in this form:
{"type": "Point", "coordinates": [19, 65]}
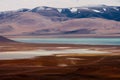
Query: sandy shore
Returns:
{"type": "Point", "coordinates": [68, 67]}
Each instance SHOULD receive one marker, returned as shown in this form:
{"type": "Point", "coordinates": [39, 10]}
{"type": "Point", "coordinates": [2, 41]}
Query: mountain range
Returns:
{"type": "Point", "coordinates": [88, 21]}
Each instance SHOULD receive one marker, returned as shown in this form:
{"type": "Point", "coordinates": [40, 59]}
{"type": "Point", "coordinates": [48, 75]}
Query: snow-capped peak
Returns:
{"type": "Point", "coordinates": [59, 10]}
{"type": "Point", "coordinates": [73, 9]}
{"type": "Point", "coordinates": [40, 8]}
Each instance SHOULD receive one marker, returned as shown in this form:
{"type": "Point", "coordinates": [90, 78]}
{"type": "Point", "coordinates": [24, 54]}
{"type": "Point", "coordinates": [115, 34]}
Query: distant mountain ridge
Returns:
{"type": "Point", "coordinates": [47, 21]}
{"type": "Point", "coordinates": [100, 11]}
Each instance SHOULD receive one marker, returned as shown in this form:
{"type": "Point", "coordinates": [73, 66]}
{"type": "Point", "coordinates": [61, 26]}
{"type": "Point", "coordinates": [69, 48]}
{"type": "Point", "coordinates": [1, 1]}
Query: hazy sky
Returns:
{"type": "Point", "coordinates": [16, 4]}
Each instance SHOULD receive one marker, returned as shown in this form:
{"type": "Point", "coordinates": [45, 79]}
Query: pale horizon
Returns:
{"type": "Point", "coordinates": [6, 5]}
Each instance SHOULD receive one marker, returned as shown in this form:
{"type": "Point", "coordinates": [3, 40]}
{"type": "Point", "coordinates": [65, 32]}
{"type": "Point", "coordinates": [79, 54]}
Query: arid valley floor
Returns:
{"type": "Point", "coordinates": [66, 67]}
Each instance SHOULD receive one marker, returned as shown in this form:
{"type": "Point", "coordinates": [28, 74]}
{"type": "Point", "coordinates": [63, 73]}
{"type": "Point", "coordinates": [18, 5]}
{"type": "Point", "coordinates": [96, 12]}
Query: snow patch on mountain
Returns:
{"type": "Point", "coordinates": [40, 8]}
{"type": "Point", "coordinates": [116, 8]}
{"type": "Point", "coordinates": [73, 9]}
{"type": "Point", "coordinates": [96, 11]}
{"type": "Point", "coordinates": [59, 10]}
{"type": "Point", "coordinates": [104, 9]}
{"type": "Point", "coordinates": [48, 9]}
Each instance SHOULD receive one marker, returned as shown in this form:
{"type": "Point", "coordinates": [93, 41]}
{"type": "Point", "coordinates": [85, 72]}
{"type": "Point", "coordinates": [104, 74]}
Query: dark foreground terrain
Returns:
{"type": "Point", "coordinates": [62, 68]}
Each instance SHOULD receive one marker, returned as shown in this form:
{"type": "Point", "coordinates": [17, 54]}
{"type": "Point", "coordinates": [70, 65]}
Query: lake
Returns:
{"type": "Point", "coordinates": [90, 41]}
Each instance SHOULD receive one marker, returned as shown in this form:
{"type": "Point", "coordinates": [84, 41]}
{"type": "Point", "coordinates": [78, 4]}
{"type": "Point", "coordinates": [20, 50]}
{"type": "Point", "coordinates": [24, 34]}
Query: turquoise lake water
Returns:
{"type": "Point", "coordinates": [91, 41]}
